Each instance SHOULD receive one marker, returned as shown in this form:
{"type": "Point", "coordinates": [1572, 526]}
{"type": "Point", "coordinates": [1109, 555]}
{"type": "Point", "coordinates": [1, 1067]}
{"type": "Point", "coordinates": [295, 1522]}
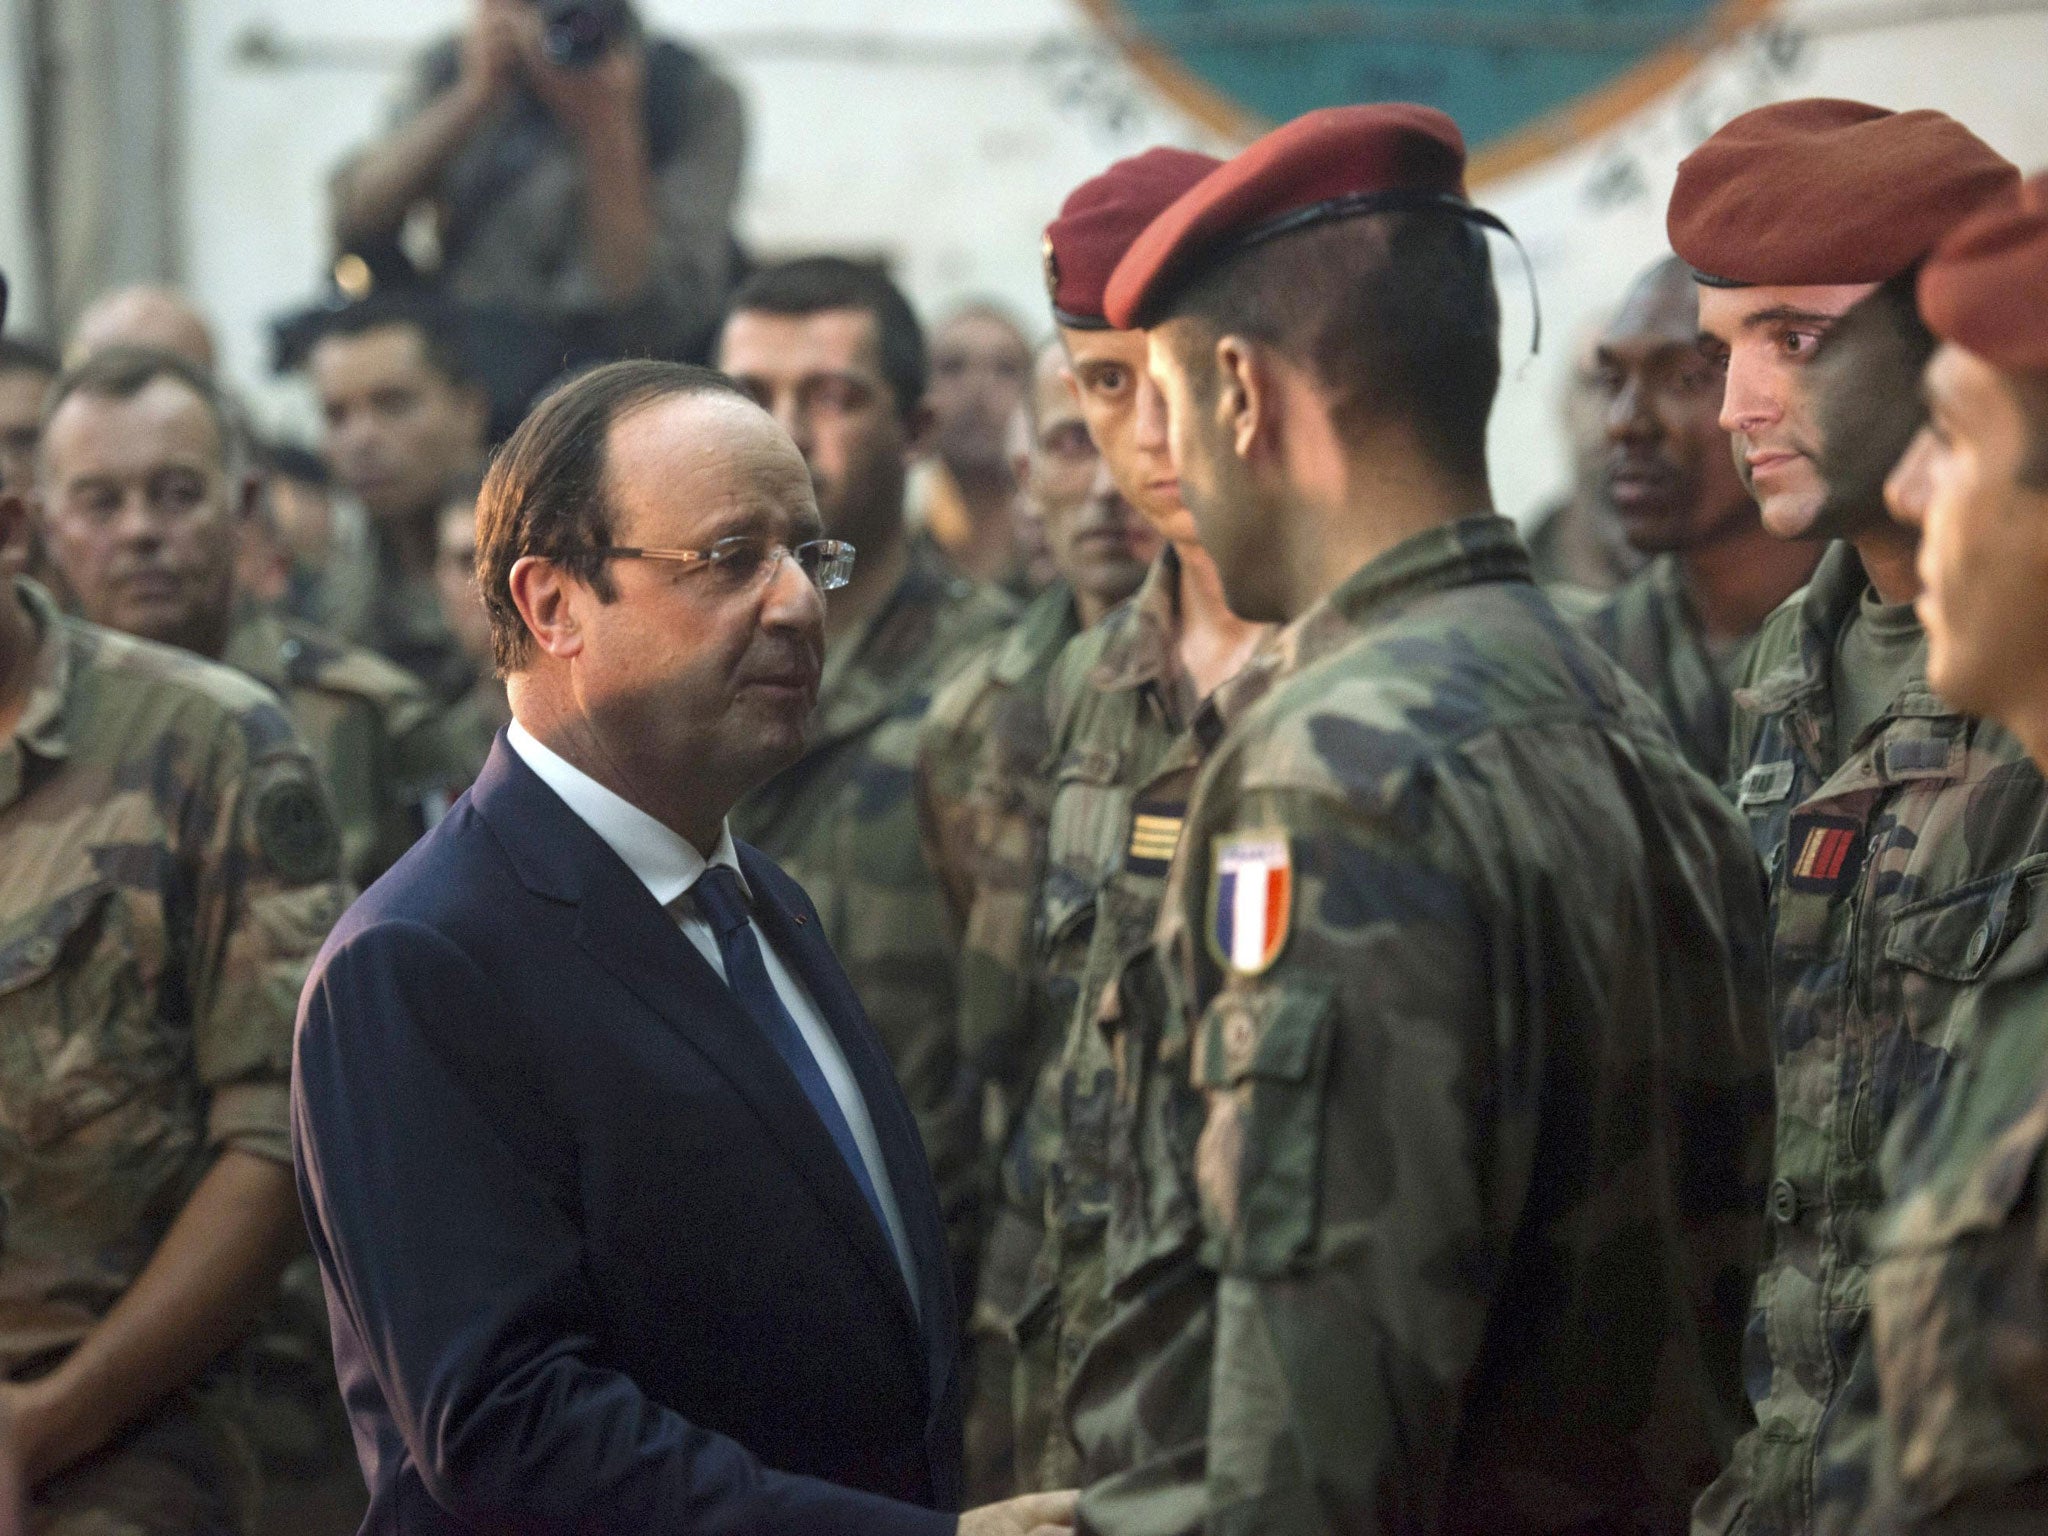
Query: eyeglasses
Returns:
{"type": "Point", "coordinates": [745, 561]}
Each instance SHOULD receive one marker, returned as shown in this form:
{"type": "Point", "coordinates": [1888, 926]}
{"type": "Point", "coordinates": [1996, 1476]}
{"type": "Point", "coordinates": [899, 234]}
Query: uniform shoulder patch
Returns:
{"type": "Point", "coordinates": [1251, 900]}
{"type": "Point", "coordinates": [295, 831]}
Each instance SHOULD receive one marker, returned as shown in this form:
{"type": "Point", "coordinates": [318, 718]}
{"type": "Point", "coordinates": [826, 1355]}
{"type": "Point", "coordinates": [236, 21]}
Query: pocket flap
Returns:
{"type": "Point", "coordinates": [1275, 1032]}
{"type": "Point", "coordinates": [1958, 934]}
{"type": "Point", "coordinates": [31, 950]}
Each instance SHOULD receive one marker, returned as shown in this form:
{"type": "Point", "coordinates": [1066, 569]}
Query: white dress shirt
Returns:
{"type": "Point", "coordinates": [664, 862]}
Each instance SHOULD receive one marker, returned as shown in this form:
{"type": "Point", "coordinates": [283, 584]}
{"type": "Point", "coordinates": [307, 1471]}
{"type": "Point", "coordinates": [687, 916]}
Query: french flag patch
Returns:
{"type": "Point", "coordinates": [1251, 898]}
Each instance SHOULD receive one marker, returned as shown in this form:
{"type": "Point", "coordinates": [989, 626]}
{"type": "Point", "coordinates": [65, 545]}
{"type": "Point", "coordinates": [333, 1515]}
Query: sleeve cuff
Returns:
{"type": "Point", "coordinates": [252, 1117]}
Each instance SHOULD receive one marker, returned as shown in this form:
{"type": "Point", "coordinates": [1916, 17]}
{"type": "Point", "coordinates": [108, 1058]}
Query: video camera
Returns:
{"type": "Point", "coordinates": [575, 34]}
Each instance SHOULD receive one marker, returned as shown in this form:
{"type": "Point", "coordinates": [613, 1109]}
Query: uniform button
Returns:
{"type": "Point", "coordinates": [1784, 1201]}
{"type": "Point", "coordinates": [40, 950]}
{"type": "Point", "coordinates": [1978, 945]}
{"type": "Point", "coordinates": [1237, 1035]}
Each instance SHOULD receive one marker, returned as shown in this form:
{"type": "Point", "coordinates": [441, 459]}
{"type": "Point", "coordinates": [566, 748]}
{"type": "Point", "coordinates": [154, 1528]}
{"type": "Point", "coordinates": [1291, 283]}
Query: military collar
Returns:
{"type": "Point", "coordinates": [1471, 550]}
{"type": "Point", "coordinates": [870, 671]}
{"type": "Point", "coordinates": [1144, 646]}
{"type": "Point", "coordinates": [1048, 623]}
{"type": "Point", "coordinates": [256, 645]}
{"type": "Point", "coordinates": [42, 721]}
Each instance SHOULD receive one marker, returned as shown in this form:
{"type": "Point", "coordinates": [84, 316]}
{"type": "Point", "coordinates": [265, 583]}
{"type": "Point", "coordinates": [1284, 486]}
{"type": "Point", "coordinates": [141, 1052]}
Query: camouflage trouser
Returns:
{"type": "Point", "coordinates": [991, 1415]}
{"type": "Point", "coordinates": [289, 1410]}
{"type": "Point", "coordinates": [180, 1472]}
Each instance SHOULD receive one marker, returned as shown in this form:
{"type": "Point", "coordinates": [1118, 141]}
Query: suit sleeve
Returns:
{"type": "Point", "coordinates": [458, 1286]}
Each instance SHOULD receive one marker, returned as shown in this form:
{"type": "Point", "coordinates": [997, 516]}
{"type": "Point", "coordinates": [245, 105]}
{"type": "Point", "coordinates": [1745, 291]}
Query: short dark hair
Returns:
{"type": "Point", "coordinates": [122, 373]}
{"type": "Point", "coordinates": [294, 461]}
{"type": "Point", "coordinates": [20, 355]}
{"type": "Point", "coordinates": [814, 284]}
{"type": "Point", "coordinates": [545, 492]}
{"type": "Point", "coordinates": [1394, 313]}
{"type": "Point", "coordinates": [444, 341]}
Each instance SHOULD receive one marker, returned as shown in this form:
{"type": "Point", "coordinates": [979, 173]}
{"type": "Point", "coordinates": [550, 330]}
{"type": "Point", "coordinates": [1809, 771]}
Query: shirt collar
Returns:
{"type": "Point", "coordinates": [659, 857]}
{"type": "Point", "coordinates": [42, 726]}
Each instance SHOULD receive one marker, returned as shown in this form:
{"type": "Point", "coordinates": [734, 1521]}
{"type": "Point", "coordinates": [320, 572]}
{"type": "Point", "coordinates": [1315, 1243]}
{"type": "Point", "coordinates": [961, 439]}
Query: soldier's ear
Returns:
{"type": "Point", "coordinates": [1246, 393]}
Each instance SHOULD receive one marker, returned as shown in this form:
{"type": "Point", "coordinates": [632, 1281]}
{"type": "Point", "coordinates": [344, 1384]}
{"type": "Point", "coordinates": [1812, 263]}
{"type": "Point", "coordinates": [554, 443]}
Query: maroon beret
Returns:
{"type": "Point", "coordinates": [1817, 192]}
{"type": "Point", "coordinates": [1330, 163]}
{"type": "Point", "coordinates": [1100, 219]}
{"type": "Point", "coordinates": [1986, 286]}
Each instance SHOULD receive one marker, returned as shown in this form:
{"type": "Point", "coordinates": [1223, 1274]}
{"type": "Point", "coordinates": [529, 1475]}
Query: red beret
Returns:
{"type": "Point", "coordinates": [1100, 219]}
{"type": "Point", "coordinates": [1329, 163]}
{"type": "Point", "coordinates": [1986, 287]}
{"type": "Point", "coordinates": [1814, 192]}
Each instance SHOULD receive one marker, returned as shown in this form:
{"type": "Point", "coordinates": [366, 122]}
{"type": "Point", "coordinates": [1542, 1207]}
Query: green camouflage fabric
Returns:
{"type": "Point", "coordinates": [984, 799]}
{"type": "Point", "coordinates": [1484, 1126]}
{"type": "Point", "coordinates": [1885, 856]}
{"type": "Point", "coordinates": [371, 727]}
{"type": "Point", "coordinates": [172, 868]}
{"type": "Point", "coordinates": [1121, 766]}
{"type": "Point", "coordinates": [399, 617]}
{"type": "Point", "coordinates": [843, 822]}
{"type": "Point", "coordinates": [468, 727]}
{"type": "Point", "coordinates": [1649, 628]}
{"type": "Point", "coordinates": [1959, 1278]}
{"type": "Point", "coordinates": [183, 1471]}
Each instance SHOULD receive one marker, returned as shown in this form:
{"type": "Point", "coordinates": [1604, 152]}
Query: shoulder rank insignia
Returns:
{"type": "Point", "coordinates": [1251, 899]}
{"type": "Point", "coordinates": [1155, 833]}
{"type": "Point", "coordinates": [1823, 853]}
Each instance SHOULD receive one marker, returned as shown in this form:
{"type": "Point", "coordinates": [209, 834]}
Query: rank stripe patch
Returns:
{"type": "Point", "coordinates": [1155, 833]}
{"type": "Point", "coordinates": [1826, 849]}
{"type": "Point", "coordinates": [1823, 853]}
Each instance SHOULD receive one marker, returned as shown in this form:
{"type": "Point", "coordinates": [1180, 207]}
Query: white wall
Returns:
{"type": "Point", "coordinates": [949, 152]}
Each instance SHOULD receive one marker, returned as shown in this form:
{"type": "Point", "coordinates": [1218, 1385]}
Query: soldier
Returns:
{"type": "Point", "coordinates": [26, 371]}
{"type": "Point", "coordinates": [831, 349]}
{"type": "Point", "coordinates": [1460, 956]}
{"type": "Point", "coordinates": [171, 868]}
{"type": "Point", "coordinates": [1959, 1334]}
{"type": "Point", "coordinates": [1119, 701]}
{"type": "Point", "coordinates": [404, 421]}
{"type": "Point", "coordinates": [144, 315]}
{"type": "Point", "coordinates": [980, 375]}
{"type": "Point", "coordinates": [1881, 815]}
{"type": "Point", "coordinates": [473, 721]}
{"type": "Point", "coordinates": [983, 801]}
{"type": "Point", "coordinates": [142, 494]}
{"type": "Point", "coordinates": [1683, 627]}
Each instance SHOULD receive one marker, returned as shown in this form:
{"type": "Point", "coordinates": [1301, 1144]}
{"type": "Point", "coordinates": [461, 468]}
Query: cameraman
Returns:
{"type": "Point", "coordinates": [573, 173]}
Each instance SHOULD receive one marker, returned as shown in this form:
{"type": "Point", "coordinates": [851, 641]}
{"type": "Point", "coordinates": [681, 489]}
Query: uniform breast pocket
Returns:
{"type": "Point", "coordinates": [79, 1003]}
{"type": "Point", "coordinates": [1263, 1058]}
{"type": "Point", "coordinates": [1939, 949]}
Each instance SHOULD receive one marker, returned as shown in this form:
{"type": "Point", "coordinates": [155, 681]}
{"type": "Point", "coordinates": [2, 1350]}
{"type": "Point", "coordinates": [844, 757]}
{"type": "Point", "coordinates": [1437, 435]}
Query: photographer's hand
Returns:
{"type": "Point", "coordinates": [602, 108]}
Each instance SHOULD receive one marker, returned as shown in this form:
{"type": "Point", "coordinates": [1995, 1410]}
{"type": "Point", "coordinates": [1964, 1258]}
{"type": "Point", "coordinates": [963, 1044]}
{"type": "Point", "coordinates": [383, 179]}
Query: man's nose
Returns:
{"type": "Point", "coordinates": [1151, 419]}
{"type": "Point", "coordinates": [1748, 398]}
{"type": "Point", "coordinates": [787, 407]}
{"type": "Point", "coordinates": [137, 520]}
{"type": "Point", "coordinates": [1629, 418]}
{"type": "Point", "coordinates": [791, 599]}
{"type": "Point", "coordinates": [1907, 489]}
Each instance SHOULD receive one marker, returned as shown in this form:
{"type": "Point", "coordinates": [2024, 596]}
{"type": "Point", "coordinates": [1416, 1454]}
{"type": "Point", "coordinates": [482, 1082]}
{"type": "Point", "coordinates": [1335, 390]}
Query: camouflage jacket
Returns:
{"type": "Point", "coordinates": [983, 799]}
{"type": "Point", "coordinates": [1466, 966]}
{"type": "Point", "coordinates": [371, 727]}
{"type": "Point", "coordinates": [468, 727]}
{"type": "Point", "coordinates": [1959, 1279]}
{"type": "Point", "coordinates": [843, 822]}
{"type": "Point", "coordinates": [171, 869]}
{"type": "Point", "coordinates": [1648, 627]}
{"type": "Point", "coordinates": [1885, 856]}
{"type": "Point", "coordinates": [398, 615]}
{"type": "Point", "coordinates": [1121, 764]}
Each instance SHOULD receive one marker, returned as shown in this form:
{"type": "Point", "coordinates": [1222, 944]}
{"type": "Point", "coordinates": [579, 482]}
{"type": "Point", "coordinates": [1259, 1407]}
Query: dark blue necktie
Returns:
{"type": "Point", "coordinates": [719, 898]}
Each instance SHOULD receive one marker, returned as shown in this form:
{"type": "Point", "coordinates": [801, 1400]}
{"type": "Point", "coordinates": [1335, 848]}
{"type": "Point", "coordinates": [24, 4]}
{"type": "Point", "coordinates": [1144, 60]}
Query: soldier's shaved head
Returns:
{"type": "Point", "coordinates": [146, 315]}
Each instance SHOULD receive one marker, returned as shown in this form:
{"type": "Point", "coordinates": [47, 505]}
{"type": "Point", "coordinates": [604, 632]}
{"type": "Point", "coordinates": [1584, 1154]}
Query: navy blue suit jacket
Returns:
{"type": "Point", "coordinates": [592, 1261]}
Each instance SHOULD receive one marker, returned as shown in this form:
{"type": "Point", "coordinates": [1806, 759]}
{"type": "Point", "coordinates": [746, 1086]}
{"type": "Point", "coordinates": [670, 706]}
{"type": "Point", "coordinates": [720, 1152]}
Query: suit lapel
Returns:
{"type": "Point", "coordinates": [621, 928]}
{"type": "Point", "coordinates": [803, 947]}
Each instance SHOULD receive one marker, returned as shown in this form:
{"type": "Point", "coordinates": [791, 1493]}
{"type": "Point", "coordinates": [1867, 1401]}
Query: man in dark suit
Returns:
{"type": "Point", "coordinates": [624, 1223]}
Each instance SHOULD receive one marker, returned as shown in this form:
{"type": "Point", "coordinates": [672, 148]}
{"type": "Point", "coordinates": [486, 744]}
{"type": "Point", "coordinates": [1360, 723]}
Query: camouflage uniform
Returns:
{"type": "Point", "coordinates": [1484, 1121]}
{"type": "Point", "coordinates": [843, 821]}
{"type": "Point", "coordinates": [1887, 859]}
{"type": "Point", "coordinates": [399, 617]}
{"type": "Point", "coordinates": [371, 728]}
{"type": "Point", "coordinates": [1121, 764]}
{"type": "Point", "coordinates": [1959, 1280]}
{"type": "Point", "coordinates": [172, 867]}
{"type": "Point", "coordinates": [983, 801]}
{"type": "Point", "coordinates": [468, 727]}
{"type": "Point", "coordinates": [1649, 628]}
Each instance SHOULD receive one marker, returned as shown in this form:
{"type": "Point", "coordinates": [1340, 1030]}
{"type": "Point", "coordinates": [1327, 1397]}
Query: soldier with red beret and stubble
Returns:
{"type": "Point", "coordinates": [1959, 1283]}
{"type": "Point", "coordinates": [1459, 1072]}
{"type": "Point", "coordinates": [1887, 820]}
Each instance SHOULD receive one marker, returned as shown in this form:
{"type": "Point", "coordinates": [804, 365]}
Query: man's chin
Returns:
{"type": "Point", "coordinates": [1794, 515]}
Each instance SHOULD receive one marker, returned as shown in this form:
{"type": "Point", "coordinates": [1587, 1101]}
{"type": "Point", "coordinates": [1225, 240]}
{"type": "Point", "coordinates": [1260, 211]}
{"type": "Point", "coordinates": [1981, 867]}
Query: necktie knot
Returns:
{"type": "Point", "coordinates": [720, 900]}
